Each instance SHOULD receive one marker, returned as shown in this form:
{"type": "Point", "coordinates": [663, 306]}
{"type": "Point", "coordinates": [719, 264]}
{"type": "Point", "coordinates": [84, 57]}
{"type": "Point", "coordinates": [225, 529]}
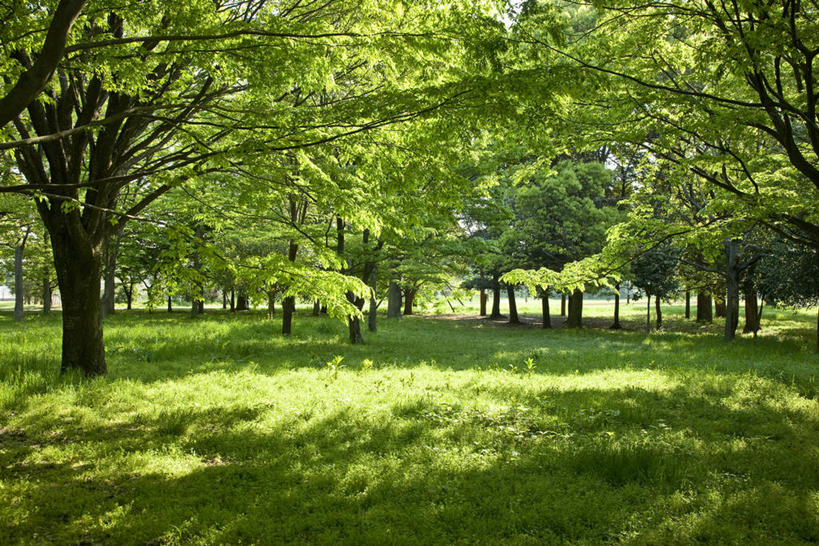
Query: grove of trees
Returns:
{"type": "Point", "coordinates": [354, 152]}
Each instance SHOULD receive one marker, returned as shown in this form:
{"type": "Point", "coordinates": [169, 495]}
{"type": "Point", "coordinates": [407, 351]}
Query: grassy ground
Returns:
{"type": "Point", "coordinates": [216, 430]}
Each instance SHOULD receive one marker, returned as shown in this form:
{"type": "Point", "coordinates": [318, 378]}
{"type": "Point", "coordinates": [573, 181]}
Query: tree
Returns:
{"type": "Point", "coordinates": [653, 272]}
{"type": "Point", "coordinates": [146, 96]}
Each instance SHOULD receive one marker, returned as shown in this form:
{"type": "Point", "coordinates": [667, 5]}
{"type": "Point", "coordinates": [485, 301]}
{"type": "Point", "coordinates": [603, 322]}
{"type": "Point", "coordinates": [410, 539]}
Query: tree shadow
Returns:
{"type": "Point", "coordinates": [528, 465]}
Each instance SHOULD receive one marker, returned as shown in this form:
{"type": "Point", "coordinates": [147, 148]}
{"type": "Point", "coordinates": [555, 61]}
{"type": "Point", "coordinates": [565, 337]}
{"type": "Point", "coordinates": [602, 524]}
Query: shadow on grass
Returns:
{"type": "Point", "coordinates": [585, 465]}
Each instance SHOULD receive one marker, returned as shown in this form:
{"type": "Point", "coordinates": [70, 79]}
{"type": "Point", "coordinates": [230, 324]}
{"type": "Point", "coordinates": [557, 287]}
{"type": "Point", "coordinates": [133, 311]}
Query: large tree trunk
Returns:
{"type": "Point", "coordinates": [19, 312]}
{"type": "Point", "coordinates": [496, 291]}
{"type": "Point", "coordinates": [687, 304]}
{"type": "Point", "coordinates": [394, 300]}
{"type": "Point", "coordinates": [705, 311]}
{"type": "Point", "coordinates": [547, 319]}
{"type": "Point", "coordinates": [372, 316]}
{"type": "Point", "coordinates": [78, 267]}
{"type": "Point", "coordinates": [576, 309]}
{"type": "Point", "coordinates": [616, 325]}
{"type": "Point", "coordinates": [241, 302]}
{"type": "Point", "coordinates": [513, 306]}
{"type": "Point", "coordinates": [483, 298]}
{"type": "Point", "coordinates": [562, 304]}
{"type": "Point", "coordinates": [752, 316]}
{"type": "Point", "coordinates": [659, 312]}
{"type": "Point", "coordinates": [409, 299]}
{"type": "Point", "coordinates": [316, 308]}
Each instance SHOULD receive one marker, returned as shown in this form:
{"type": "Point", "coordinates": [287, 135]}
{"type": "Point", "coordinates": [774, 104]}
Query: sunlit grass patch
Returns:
{"type": "Point", "coordinates": [218, 430]}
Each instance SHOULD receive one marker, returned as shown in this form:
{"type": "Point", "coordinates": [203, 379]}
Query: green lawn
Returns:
{"type": "Point", "coordinates": [217, 430]}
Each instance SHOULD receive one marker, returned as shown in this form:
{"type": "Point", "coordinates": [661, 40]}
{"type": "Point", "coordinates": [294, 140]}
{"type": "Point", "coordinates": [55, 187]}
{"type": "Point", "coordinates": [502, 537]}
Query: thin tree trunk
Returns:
{"type": "Point", "coordinates": [371, 317]}
{"type": "Point", "coordinates": [129, 295]}
{"type": "Point", "coordinates": [288, 308]}
{"type": "Point", "coordinates": [562, 304]}
{"type": "Point", "coordinates": [687, 304]}
{"type": "Point", "coordinates": [616, 325]}
{"type": "Point", "coordinates": [394, 300]}
{"type": "Point", "coordinates": [496, 314]}
{"type": "Point", "coordinates": [109, 256]}
{"type": "Point", "coordinates": [232, 300]}
{"type": "Point", "coordinates": [732, 289]}
{"type": "Point", "coordinates": [659, 312]}
{"type": "Point", "coordinates": [170, 305]}
{"type": "Point", "coordinates": [316, 308]}
{"type": "Point", "coordinates": [547, 319]}
{"type": "Point", "coordinates": [47, 293]}
{"type": "Point", "coordinates": [705, 311]}
{"type": "Point", "coordinates": [513, 306]}
{"type": "Point", "coordinates": [576, 309]}
{"type": "Point", "coordinates": [224, 300]}
{"type": "Point", "coordinates": [648, 312]}
{"type": "Point", "coordinates": [271, 304]}
{"type": "Point", "coordinates": [19, 311]}
{"type": "Point", "coordinates": [483, 297]}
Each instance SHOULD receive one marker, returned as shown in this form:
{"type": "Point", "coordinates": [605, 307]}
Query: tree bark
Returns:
{"type": "Point", "coordinates": [576, 309]}
{"type": "Point", "coordinates": [752, 316]}
{"type": "Point", "coordinates": [658, 311]}
{"type": "Point", "coordinates": [547, 319]}
{"type": "Point", "coordinates": [110, 253]}
{"type": "Point", "coordinates": [394, 300]}
{"type": "Point", "coordinates": [271, 304]}
{"type": "Point", "coordinates": [224, 300]}
{"type": "Point", "coordinates": [372, 316]}
{"type": "Point", "coordinates": [241, 302]}
{"type": "Point", "coordinates": [129, 295]}
{"type": "Point", "coordinates": [316, 308]}
{"type": "Point", "coordinates": [616, 325]}
{"type": "Point", "coordinates": [563, 304]}
{"type": "Point", "coordinates": [19, 311]}
{"type": "Point", "coordinates": [483, 297]}
{"type": "Point", "coordinates": [496, 291]}
{"type": "Point", "coordinates": [513, 306]}
{"type": "Point", "coordinates": [719, 304]}
{"type": "Point", "coordinates": [705, 311]}
{"type": "Point", "coordinates": [687, 304]}
{"type": "Point", "coordinates": [170, 305]}
{"type": "Point", "coordinates": [47, 293]}
{"type": "Point", "coordinates": [232, 300]}
{"type": "Point", "coordinates": [409, 299]}
{"type": "Point", "coordinates": [288, 308]}
{"type": "Point", "coordinates": [732, 289]}
{"type": "Point", "coordinates": [78, 264]}
{"type": "Point", "coordinates": [648, 312]}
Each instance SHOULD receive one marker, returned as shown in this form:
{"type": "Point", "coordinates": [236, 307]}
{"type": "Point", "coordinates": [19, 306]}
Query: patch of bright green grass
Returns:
{"type": "Point", "coordinates": [216, 429]}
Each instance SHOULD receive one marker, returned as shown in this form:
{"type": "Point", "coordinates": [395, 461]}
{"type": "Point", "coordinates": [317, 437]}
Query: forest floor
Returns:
{"type": "Point", "coordinates": [215, 429]}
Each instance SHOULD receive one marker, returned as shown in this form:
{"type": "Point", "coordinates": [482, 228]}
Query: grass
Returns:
{"type": "Point", "coordinates": [217, 430]}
